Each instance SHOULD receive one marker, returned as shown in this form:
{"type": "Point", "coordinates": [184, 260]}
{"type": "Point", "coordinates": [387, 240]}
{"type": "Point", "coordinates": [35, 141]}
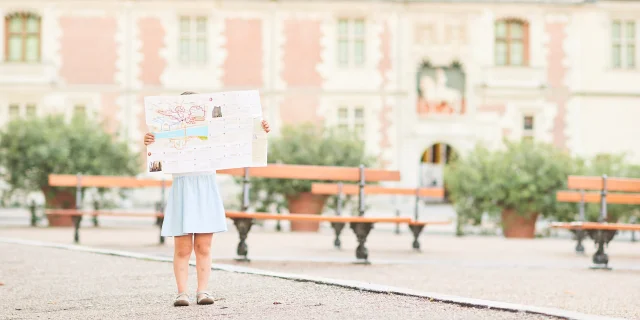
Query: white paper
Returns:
{"type": "Point", "coordinates": [205, 132]}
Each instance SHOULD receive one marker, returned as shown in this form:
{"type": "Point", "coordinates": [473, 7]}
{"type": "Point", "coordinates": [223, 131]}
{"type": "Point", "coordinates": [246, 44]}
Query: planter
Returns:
{"type": "Point", "coordinates": [59, 199]}
{"type": "Point", "coordinates": [306, 203]}
{"type": "Point", "coordinates": [515, 225]}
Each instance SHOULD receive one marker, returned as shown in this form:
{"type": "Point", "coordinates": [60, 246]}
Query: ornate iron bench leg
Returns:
{"type": "Point", "coordinates": [416, 229]}
{"type": "Point", "coordinates": [580, 235]}
{"type": "Point", "coordinates": [362, 229]}
{"type": "Point", "coordinates": [34, 215]}
{"type": "Point", "coordinates": [244, 226]}
{"type": "Point", "coordinates": [337, 228]}
{"type": "Point", "coordinates": [601, 239]}
{"type": "Point", "coordinates": [76, 228]}
{"type": "Point", "coordinates": [159, 222]}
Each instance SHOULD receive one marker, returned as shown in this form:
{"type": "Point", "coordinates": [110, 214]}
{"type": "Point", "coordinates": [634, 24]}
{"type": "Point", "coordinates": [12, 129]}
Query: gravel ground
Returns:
{"type": "Point", "coordinates": [606, 293]}
{"type": "Point", "coordinates": [540, 272]}
{"type": "Point", "coordinates": [45, 283]}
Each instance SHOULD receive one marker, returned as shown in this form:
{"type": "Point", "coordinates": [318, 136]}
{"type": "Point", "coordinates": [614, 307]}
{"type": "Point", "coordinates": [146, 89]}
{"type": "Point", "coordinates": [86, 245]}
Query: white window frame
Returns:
{"type": "Point", "coordinates": [351, 122]}
{"type": "Point", "coordinates": [351, 38]}
{"type": "Point", "coordinates": [23, 109]}
{"type": "Point", "coordinates": [624, 42]}
{"type": "Point", "coordinates": [192, 36]}
{"type": "Point", "coordinates": [529, 133]}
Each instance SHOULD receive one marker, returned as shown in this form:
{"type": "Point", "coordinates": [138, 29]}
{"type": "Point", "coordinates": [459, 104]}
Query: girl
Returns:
{"type": "Point", "coordinates": [193, 214]}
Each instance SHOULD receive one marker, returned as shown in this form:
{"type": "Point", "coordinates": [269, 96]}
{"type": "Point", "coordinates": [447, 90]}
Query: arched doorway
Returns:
{"type": "Point", "coordinates": [432, 164]}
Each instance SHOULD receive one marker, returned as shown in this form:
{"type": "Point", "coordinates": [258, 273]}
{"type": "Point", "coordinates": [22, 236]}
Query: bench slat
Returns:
{"type": "Point", "coordinates": [74, 212]}
{"type": "Point", "coordinates": [351, 189]}
{"type": "Point", "coordinates": [235, 214]}
{"type": "Point", "coordinates": [594, 197]}
{"type": "Point", "coordinates": [312, 217]}
{"type": "Point", "coordinates": [424, 223]}
{"type": "Point", "coordinates": [595, 183]}
{"type": "Point", "coordinates": [69, 180]}
{"type": "Point", "coordinates": [279, 171]}
{"type": "Point", "coordinates": [596, 226]}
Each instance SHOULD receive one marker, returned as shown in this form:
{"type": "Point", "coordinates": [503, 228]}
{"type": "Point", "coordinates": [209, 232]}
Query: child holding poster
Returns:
{"type": "Point", "coordinates": [194, 212]}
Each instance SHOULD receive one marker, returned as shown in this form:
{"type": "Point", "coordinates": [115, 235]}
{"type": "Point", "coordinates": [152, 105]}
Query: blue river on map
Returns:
{"type": "Point", "coordinates": [197, 131]}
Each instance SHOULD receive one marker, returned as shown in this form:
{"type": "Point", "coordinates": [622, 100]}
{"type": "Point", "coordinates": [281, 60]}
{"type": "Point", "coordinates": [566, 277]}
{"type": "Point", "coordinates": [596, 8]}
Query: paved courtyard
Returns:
{"type": "Point", "coordinates": [46, 283]}
{"type": "Point", "coordinates": [540, 272]}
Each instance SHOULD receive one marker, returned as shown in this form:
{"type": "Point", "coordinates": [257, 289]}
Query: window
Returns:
{"type": "Point", "coordinates": [351, 42]}
{"type": "Point", "coordinates": [31, 110]}
{"type": "Point", "coordinates": [79, 110]}
{"type": "Point", "coordinates": [623, 44]}
{"type": "Point", "coordinates": [351, 119]}
{"type": "Point", "coordinates": [193, 40]}
{"type": "Point", "coordinates": [512, 43]}
{"type": "Point", "coordinates": [358, 120]}
{"type": "Point", "coordinates": [527, 128]}
{"type": "Point", "coordinates": [343, 118]}
{"type": "Point", "coordinates": [22, 36]}
{"type": "Point", "coordinates": [14, 111]}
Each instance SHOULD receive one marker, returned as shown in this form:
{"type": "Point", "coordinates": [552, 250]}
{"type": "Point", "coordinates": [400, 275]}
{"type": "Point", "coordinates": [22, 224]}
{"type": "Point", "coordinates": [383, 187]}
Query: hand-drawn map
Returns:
{"type": "Point", "coordinates": [205, 132]}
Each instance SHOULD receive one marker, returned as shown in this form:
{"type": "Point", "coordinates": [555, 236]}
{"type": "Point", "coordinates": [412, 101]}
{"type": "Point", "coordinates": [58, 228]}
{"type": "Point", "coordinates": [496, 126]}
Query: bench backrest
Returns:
{"type": "Point", "coordinates": [596, 183]}
{"type": "Point", "coordinates": [352, 189]}
{"type": "Point", "coordinates": [304, 172]}
{"type": "Point", "coordinates": [70, 180]}
{"type": "Point", "coordinates": [596, 197]}
{"type": "Point", "coordinates": [276, 171]}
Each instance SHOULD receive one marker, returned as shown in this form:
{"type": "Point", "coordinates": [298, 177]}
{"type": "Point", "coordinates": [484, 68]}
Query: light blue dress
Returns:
{"type": "Point", "coordinates": [194, 206]}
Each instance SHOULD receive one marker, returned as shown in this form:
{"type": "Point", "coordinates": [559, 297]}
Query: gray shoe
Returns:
{"type": "Point", "coordinates": [204, 297]}
{"type": "Point", "coordinates": [182, 300]}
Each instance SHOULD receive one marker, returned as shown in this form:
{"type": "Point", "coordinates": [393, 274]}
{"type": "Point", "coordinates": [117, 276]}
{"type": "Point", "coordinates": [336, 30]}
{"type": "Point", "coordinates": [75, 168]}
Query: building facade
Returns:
{"type": "Point", "coordinates": [420, 80]}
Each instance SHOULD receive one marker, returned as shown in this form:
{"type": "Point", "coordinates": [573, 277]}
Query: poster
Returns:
{"type": "Point", "coordinates": [205, 132]}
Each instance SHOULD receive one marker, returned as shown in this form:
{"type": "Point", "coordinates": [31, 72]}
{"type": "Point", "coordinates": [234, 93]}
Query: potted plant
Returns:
{"type": "Point", "coordinates": [33, 148]}
{"type": "Point", "coordinates": [305, 144]}
{"type": "Point", "coordinates": [517, 183]}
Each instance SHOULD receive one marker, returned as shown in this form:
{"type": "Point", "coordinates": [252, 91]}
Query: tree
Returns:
{"type": "Point", "coordinates": [520, 181]}
{"type": "Point", "coordinates": [306, 144]}
{"type": "Point", "coordinates": [613, 165]}
{"type": "Point", "coordinates": [31, 149]}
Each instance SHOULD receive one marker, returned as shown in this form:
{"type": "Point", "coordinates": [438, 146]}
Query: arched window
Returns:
{"type": "Point", "coordinates": [511, 43]}
{"type": "Point", "coordinates": [22, 37]}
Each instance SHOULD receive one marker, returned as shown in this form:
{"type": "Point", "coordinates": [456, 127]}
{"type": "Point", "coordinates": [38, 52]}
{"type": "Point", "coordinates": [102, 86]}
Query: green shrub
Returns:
{"type": "Point", "coordinates": [306, 144]}
{"type": "Point", "coordinates": [33, 148]}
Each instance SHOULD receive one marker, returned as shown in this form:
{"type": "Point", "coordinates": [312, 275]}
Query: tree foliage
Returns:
{"type": "Point", "coordinates": [613, 165]}
{"type": "Point", "coordinates": [306, 144]}
{"type": "Point", "coordinates": [524, 176]}
{"type": "Point", "coordinates": [33, 148]}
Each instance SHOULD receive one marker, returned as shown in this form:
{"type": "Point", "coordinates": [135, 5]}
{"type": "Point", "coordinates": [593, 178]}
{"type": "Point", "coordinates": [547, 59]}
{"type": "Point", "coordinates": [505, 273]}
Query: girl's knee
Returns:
{"type": "Point", "coordinates": [183, 251]}
{"type": "Point", "coordinates": [202, 249]}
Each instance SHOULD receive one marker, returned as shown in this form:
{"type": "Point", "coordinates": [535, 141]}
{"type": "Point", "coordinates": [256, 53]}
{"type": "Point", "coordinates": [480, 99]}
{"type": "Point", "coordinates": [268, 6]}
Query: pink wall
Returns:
{"type": "Point", "coordinates": [301, 58]}
{"type": "Point", "coordinates": [88, 50]}
{"type": "Point", "coordinates": [386, 114]}
{"type": "Point", "coordinates": [152, 37]}
{"type": "Point", "coordinates": [556, 73]}
{"type": "Point", "coordinates": [243, 66]}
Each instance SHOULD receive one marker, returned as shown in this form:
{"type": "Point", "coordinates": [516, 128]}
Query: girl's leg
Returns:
{"type": "Point", "coordinates": [183, 246]}
{"type": "Point", "coordinates": [203, 259]}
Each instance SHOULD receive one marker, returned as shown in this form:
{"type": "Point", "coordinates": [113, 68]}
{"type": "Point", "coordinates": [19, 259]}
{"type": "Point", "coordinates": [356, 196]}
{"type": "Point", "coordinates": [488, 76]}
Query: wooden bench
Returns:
{"type": "Point", "coordinates": [361, 227]}
{"type": "Point", "coordinates": [80, 181]}
{"type": "Point", "coordinates": [280, 171]}
{"type": "Point", "coordinates": [360, 174]}
{"type": "Point", "coordinates": [416, 226]}
{"type": "Point", "coordinates": [601, 232]}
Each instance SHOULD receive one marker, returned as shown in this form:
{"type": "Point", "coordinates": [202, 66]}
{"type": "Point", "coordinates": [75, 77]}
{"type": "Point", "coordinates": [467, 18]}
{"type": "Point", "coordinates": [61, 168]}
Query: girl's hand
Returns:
{"type": "Point", "coordinates": [149, 138]}
{"type": "Point", "coordinates": [265, 126]}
